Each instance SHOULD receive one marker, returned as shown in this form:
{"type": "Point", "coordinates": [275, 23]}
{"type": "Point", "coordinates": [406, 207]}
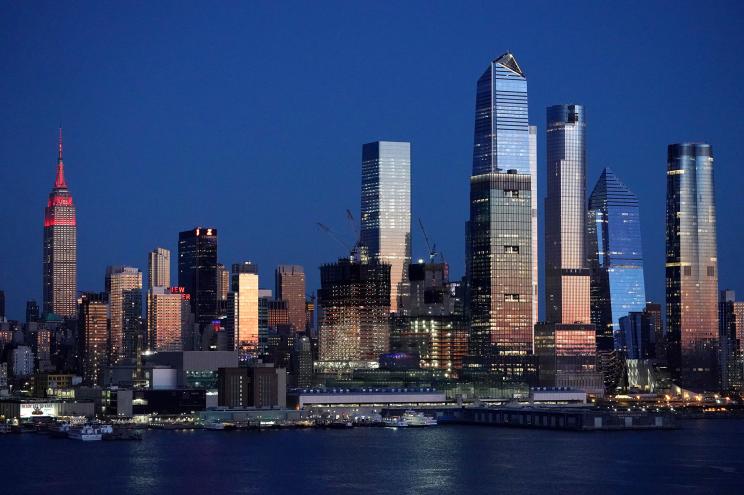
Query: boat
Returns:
{"type": "Point", "coordinates": [214, 425]}
{"type": "Point", "coordinates": [89, 432]}
{"type": "Point", "coordinates": [60, 430]}
{"type": "Point", "coordinates": [418, 419]}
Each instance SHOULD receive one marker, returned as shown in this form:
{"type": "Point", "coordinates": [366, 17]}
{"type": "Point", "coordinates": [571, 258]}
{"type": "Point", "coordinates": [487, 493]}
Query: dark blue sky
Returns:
{"type": "Point", "coordinates": [250, 117]}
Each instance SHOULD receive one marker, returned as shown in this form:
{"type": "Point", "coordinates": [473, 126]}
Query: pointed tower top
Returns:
{"type": "Point", "coordinates": [59, 181]}
{"type": "Point", "coordinates": [508, 61]}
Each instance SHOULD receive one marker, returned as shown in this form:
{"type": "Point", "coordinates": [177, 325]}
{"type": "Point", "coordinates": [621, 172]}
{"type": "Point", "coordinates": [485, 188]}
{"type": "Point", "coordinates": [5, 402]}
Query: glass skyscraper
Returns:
{"type": "Point", "coordinates": [692, 266]}
{"type": "Point", "coordinates": [615, 257]}
{"type": "Point", "coordinates": [499, 234]}
{"type": "Point", "coordinates": [566, 272]}
{"type": "Point", "coordinates": [386, 209]}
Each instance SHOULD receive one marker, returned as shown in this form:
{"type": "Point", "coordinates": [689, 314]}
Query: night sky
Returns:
{"type": "Point", "coordinates": [250, 118]}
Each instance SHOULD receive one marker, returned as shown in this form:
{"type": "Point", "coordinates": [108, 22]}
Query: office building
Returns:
{"type": "Point", "coordinates": [22, 361]}
{"type": "Point", "coordinates": [290, 287]}
{"type": "Point", "coordinates": [32, 311]}
{"type": "Point", "coordinates": [386, 209]}
{"type": "Point", "coordinates": [93, 336]}
{"type": "Point", "coordinates": [242, 318]}
{"type": "Point", "coordinates": [197, 272]}
{"type": "Point", "coordinates": [158, 268]}
{"type": "Point", "coordinates": [692, 267]}
{"type": "Point", "coordinates": [223, 282]}
{"type": "Point", "coordinates": [731, 335]}
{"type": "Point", "coordinates": [566, 272]}
{"type": "Point", "coordinates": [567, 356]}
{"type": "Point", "coordinates": [500, 277]}
{"type": "Point", "coordinates": [169, 320]}
{"type": "Point", "coordinates": [60, 247]}
{"type": "Point", "coordinates": [258, 386]}
{"type": "Point", "coordinates": [124, 289]}
{"type": "Point", "coordinates": [615, 257]}
{"type": "Point", "coordinates": [354, 311]}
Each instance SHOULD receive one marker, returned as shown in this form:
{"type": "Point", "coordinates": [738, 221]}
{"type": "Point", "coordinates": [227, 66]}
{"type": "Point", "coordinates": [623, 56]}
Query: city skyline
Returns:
{"type": "Point", "coordinates": [86, 157]}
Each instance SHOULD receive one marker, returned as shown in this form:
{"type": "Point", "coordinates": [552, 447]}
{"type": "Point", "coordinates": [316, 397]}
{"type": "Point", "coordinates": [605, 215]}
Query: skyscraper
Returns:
{"type": "Point", "coordinates": [158, 268]}
{"type": "Point", "coordinates": [290, 287]}
{"type": "Point", "coordinates": [731, 318]}
{"type": "Point", "coordinates": [386, 209]}
{"type": "Point", "coordinates": [124, 289]}
{"type": "Point", "coordinates": [692, 266]}
{"type": "Point", "coordinates": [242, 315]}
{"type": "Point", "coordinates": [566, 272]}
{"type": "Point", "coordinates": [499, 262]}
{"type": "Point", "coordinates": [60, 247]}
{"type": "Point", "coordinates": [615, 257]}
{"type": "Point", "coordinates": [354, 311]}
{"type": "Point", "coordinates": [197, 272]}
{"type": "Point", "coordinates": [223, 282]}
{"type": "Point", "coordinates": [168, 319]}
{"type": "Point", "coordinates": [94, 336]}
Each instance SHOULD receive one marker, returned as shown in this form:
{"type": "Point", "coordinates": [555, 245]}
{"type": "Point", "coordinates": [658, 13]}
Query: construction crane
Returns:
{"type": "Point", "coordinates": [431, 247]}
{"type": "Point", "coordinates": [334, 236]}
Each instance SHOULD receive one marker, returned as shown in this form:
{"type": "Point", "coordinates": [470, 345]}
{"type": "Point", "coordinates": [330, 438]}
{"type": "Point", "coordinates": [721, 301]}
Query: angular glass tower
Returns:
{"type": "Point", "coordinates": [197, 271]}
{"type": "Point", "coordinates": [60, 247]}
{"type": "Point", "coordinates": [615, 257]}
{"type": "Point", "coordinates": [499, 235]}
{"type": "Point", "coordinates": [566, 273]}
{"type": "Point", "coordinates": [386, 209]}
{"type": "Point", "coordinates": [692, 266]}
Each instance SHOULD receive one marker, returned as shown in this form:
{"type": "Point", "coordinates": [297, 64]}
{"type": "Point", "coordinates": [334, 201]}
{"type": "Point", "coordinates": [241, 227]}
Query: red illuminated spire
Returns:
{"type": "Point", "coordinates": [59, 181]}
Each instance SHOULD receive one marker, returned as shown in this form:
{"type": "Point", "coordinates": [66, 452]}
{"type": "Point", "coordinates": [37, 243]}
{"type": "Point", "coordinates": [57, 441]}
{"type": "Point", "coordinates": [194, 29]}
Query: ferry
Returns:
{"type": "Point", "coordinates": [89, 433]}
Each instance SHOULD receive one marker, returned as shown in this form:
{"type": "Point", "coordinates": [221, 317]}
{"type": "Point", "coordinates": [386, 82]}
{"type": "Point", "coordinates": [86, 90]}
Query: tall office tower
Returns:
{"type": "Point", "coordinates": [567, 353]}
{"type": "Point", "coordinates": [533, 197]}
{"type": "Point", "coordinates": [60, 247]}
{"type": "Point", "coordinates": [223, 282]}
{"type": "Point", "coordinates": [310, 315]}
{"type": "Point", "coordinates": [692, 266]}
{"type": "Point", "coordinates": [32, 311]}
{"type": "Point", "coordinates": [158, 268]}
{"type": "Point", "coordinates": [615, 257]}
{"type": "Point", "coordinates": [566, 273]}
{"type": "Point", "coordinates": [264, 298]}
{"type": "Point", "coordinates": [197, 272]}
{"type": "Point", "coordinates": [168, 318]}
{"type": "Point", "coordinates": [124, 289]}
{"type": "Point", "coordinates": [354, 311]}
{"type": "Point", "coordinates": [500, 276]}
{"type": "Point", "coordinates": [731, 334]}
{"type": "Point", "coordinates": [290, 287]}
{"type": "Point", "coordinates": [427, 325]}
{"type": "Point", "coordinates": [93, 336]}
{"type": "Point", "coordinates": [386, 209]}
{"type": "Point", "coordinates": [242, 318]}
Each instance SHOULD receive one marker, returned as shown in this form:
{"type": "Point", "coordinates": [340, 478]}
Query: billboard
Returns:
{"type": "Point", "coordinates": [38, 410]}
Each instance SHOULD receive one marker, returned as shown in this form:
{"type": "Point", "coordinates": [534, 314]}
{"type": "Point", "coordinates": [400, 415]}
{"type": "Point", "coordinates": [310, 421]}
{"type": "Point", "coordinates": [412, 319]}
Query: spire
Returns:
{"type": "Point", "coordinates": [59, 181]}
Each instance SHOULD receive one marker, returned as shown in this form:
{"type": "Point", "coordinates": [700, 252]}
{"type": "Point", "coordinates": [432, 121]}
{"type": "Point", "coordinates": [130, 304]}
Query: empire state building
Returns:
{"type": "Point", "coordinates": [60, 247]}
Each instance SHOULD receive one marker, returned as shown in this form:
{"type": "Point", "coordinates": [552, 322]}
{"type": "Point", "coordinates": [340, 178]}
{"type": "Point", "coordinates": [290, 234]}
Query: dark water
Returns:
{"type": "Point", "coordinates": [703, 457]}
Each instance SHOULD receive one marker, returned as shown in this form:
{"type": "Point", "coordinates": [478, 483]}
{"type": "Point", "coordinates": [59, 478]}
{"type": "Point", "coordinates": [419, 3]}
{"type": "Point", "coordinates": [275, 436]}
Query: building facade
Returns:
{"type": "Point", "coordinates": [197, 272]}
{"type": "Point", "coordinates": [60, 247]}
{"type": "Point", "coordinates": [290, 287]}
{"type": "Point", "coordinates": [692, 267]}
{"type": "Point", "coordinates": [566, 272]}
{"type": "Point", "coordinates": [500, 277]}
{"type": "Point", "coordinates": [567, 356]}
{"type": "Point", "coordinates": [158, 268]}
{"type": "Point", "coordinates": [242, 320]}
{"type": "Point", "coordinates": [386, 209]}
{"type": "Point", "coordinates": [354, 311]}
{"type": "Point", "coordinates": [615, 257]}
{"type": "Point", "coordinates": [731, 335]}
{"type": "Point", "coordinates": [124, 289]}
{"type": "Point", "coordinates": [93, 336]}
{"type": "Point", "coordinates": [168, 319]}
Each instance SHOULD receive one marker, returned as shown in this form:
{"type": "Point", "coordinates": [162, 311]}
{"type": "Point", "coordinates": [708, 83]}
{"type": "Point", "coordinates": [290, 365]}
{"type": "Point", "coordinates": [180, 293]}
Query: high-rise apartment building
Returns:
{"type": "Point", "coordinates": [93, 336]}
{"type": "Point", "coordinates": [354, 311]}
{"type": "Point", "coordinates": [692, 266]}
{"type": "Point", "coordinates": [158, 268]}
{"type": "Point", "coordinates": [124, 289]}
{"type": "Point", "coordinates": [500, 279]}
{"type": "Point", "coordinates": [197, 272]}
{"type": "Point", "coordinates": [242, 318]}
{"type": "Point", "coordinates": [60, 247]}
{"type": "Point", "coordinates": [386, 209]}
{"type": "Point", "coordinates": [615, 257]}
{"type": "Point", "coordinates": [168, 319]}
{"type": "Point", "coordinates": [290, 287]}
{"type": "Point", "coordinates": [567, 278]}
